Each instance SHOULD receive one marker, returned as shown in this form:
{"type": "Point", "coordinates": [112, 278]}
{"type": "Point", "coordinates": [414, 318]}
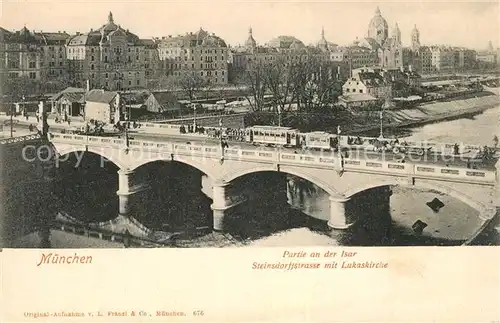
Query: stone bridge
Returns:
{"type": "Point", "coordinates": [344, 179]}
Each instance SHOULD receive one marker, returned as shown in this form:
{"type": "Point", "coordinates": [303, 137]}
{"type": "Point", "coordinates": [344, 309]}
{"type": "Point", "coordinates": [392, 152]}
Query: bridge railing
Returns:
{"type": "Point", "coordinates": [19, 139]}
{"type": "Point", "coordinates": [325, 160]}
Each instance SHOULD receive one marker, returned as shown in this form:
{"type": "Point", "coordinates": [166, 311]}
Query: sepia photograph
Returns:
{"type": "Point", "coordinates": [225, 124]}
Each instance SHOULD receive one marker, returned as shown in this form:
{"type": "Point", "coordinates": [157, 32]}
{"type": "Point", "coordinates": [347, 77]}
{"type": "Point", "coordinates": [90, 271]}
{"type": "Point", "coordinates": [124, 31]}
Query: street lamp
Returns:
{"type": "Point", "coordinates": [381, 136]}
{"type": "Point", "coordinates": [194, 119]}
{"type": "Point", "coordinates": [11, 122]}
{"type": "Point", "coordinates": [279, 116]}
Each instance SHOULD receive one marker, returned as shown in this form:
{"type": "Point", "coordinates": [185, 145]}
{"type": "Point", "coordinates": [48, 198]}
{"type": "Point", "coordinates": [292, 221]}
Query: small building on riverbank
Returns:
{"type": "Point", "coordinates": [103, 106]}
{"type": "Point", "coordinates": [68, 102]}
{"type": "Point", "coordinates": [162, 102]}
{"type": "Point", "coordinates": [357, 100]}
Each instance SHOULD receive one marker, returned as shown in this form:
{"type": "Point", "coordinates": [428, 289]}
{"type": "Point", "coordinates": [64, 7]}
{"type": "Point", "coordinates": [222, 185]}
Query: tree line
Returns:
{"type": "Point", "coordinates": [308, 84]}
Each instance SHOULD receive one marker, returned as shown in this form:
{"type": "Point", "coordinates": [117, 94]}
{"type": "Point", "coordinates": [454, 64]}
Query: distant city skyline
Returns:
{"type": "Point", "coordinates": [468, 24]}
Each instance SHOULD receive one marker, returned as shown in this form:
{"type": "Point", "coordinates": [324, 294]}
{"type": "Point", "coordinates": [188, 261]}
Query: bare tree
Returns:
{"type": "Point", "coordinates": [191, 83]}
{"type": "Point", "coordinates": [255, 80]}
{"type": "Point", "coordinates": [281, 77]}
{"type": "Point", "coordinates": [316, 85]}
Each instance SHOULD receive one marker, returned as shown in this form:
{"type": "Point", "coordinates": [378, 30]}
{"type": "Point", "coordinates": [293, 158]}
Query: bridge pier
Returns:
{"type": "Point", "coordinates": [126, 189]}
{"type": "Point", "coordinates": [341, 217]}
{"type": "Point", "coordinates": [220, 206]}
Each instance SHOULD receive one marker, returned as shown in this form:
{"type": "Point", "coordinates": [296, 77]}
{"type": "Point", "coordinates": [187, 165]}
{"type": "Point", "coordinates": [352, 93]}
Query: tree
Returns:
{"type": "Point", "coordinates": [281, 79]}
{"type": "Point", "coordinates": [191, 83]}
{"type": "Point", "coordinates": [255, 80]}
{"type": "Point", "coordinates": [55, 85]}
{"type": "Point", "coordinates": [20, 86]}
{"type": "Point", "coordinates": [317, 86]}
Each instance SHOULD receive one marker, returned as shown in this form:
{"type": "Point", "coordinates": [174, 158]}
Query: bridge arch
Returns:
{"type": "Point", "coordinates": [198, 165]}
{"type": "Point", "coordinates": [480, 207]}
{"type": "Point", "coordinates": [100, 152]}
{"type": "Point", "coordinates": [269, 168]}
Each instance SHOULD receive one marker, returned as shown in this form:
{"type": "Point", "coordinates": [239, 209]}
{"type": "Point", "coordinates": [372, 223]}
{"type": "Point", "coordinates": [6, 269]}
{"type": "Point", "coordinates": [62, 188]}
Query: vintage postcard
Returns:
{"type": "Point", "coordinates": [249, 161]}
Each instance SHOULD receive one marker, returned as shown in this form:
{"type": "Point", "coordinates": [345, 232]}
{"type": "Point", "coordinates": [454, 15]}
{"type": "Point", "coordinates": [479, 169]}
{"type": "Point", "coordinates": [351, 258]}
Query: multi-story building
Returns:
{"type": "Point", "coordinates": [21, 55]}
{"type": "Point", "coordinates": [53, 47]}
{"type": "Point", "coordinates": [487, 57]}
{"type": "Point", "coordinates": [287, 50]}
{"type": "Point", "coordinates": [198, 53]}
{"type": "Point", "coordinates": [355, 56]}
{"type": "Point", "coordinates": [464, 59]}
{"type": "Point", "coordinates": [110, 57]}
{"type": "Point", "coordinates": [443, 58]}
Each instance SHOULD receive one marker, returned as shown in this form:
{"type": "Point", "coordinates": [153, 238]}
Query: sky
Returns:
{"type": "Point", "coordinates": [460, 23]}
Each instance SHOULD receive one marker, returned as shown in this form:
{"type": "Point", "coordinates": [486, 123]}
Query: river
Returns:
{"type": "Point", "coordinates": [451, 225]}
{"type": "Point", "coordinates": [456, 221]}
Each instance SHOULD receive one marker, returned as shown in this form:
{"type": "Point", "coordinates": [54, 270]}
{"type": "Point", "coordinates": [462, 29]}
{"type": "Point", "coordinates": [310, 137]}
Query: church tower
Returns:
{"type": "Point", "coordinates": [250, 44]}
{"type": "Point", "coordinates": [396, 35]}
{"type": "Point", "coordinates": [415, 38]}
{"type": "Point", "coordinates": [323, 44]}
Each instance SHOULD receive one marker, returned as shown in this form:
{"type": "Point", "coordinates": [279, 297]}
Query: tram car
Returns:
{"type": "Point", "coordinates": [273, 136]}
{"type": "Point", "coordinates": [320, 140]}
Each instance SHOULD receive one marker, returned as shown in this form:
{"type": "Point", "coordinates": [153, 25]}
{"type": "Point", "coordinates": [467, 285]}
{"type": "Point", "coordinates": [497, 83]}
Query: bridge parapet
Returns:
{"type": "Point", "coordinates": [328, 160]}
{"type": "Point", "coordinates": [6, 141]}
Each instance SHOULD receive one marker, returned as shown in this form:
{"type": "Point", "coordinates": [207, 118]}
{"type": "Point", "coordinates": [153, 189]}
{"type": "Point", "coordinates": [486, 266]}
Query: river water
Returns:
{"type": "Point", "coordinates": [304, 223]}
{"type": "Point", "coordinates": [455, 222]}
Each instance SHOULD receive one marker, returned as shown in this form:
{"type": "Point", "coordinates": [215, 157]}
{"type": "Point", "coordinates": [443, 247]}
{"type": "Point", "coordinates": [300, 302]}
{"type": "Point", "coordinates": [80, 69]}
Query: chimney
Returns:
{"type": "Point", "coordinates": [88, 85]}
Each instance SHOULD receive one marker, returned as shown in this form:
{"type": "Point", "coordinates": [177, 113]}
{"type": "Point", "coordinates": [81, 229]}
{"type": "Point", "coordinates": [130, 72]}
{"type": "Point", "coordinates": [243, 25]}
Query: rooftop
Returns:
{"type": "Point", "coordinates": [100, 96]}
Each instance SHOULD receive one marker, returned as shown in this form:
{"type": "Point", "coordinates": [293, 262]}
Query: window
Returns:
{"type": "Point", "coordinates": [138, 82]}
{"type": "Point", "coordinates": [92, 58]}
{"type": "Point", "coordinates": [360, 91]}
{"type": "Point", "coordinates": [107, 75]}
{"type": "Point", "coordinates": [32, 75]}
{"type": "Point", "coordinates": [32, 64]}
{"type": "Point", "coordinates": [129, 82]}
{"type": "Point", "coordinates": [105, 59]}
{"type": "Point", "coordinates": [91, 67]}
{"type": "Point", "coordinates": [60, 63]}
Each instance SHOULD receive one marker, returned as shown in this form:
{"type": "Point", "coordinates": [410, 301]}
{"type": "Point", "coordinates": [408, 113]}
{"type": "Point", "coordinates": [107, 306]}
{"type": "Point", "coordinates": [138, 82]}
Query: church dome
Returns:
{"type": "Point", "coordinates": [378, 28]}
{"type": "Point", "coordinates": [285, 42]}
{"type": "Point", "coordinates": [296, 45]}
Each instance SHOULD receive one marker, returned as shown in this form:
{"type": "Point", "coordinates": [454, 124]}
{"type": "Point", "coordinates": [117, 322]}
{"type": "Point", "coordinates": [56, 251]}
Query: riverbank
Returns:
{"type": "Point", "coordinates": [431, 113]}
